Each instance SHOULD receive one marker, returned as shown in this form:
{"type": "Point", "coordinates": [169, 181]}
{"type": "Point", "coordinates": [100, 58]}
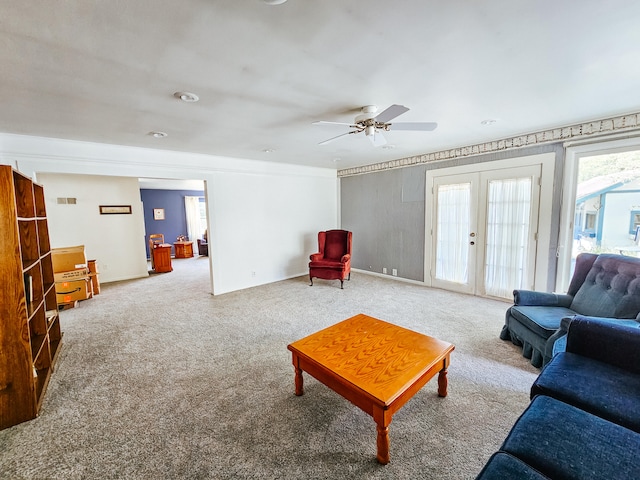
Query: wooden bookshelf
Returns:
{"type": "Point", "coordinates": [30, 334]}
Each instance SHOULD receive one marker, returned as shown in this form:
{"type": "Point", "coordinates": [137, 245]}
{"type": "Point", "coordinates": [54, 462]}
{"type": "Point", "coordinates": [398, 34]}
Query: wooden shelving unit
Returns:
{"type": "Point", "coordinates": [30, 335]}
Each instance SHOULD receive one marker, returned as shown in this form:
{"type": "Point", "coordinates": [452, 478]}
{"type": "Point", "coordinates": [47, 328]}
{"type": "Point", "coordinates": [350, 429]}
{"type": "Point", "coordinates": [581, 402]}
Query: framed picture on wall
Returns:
{"type": "Point", "coordinates": [115, 209]}
{"type": "Point", "coordinates": [158, 213]}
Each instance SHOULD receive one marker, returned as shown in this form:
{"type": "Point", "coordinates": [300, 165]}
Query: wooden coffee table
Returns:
{"type": "Point", "coordinates": [375, 365]}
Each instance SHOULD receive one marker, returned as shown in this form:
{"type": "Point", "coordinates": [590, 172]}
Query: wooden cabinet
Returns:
{"type": "Point", "coordinates": [161, 258]}
{"type": "Point", "coordinates": [30, 335]}
{"type": "Point", "coordinates": [183, 249]}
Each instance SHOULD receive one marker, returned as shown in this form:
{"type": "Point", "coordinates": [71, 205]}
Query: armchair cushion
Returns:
{"type": "Point", "coordinates": [610, 289]}
{"type": "Point", "coordinates": [334, 250]}
{"type": "Point", "coordinates": [543, 320]}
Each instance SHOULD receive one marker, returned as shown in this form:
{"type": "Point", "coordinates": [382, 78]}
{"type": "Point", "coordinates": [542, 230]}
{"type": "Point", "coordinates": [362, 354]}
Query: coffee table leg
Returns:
{"type": "Point", "coordinates": [298, 378]}
{"type": "Point", "coordinates": [442, 383]}
{"type": "Point", "coordinates": [383, 419]}
{"type": "Point", "coordinates": [383, 445]}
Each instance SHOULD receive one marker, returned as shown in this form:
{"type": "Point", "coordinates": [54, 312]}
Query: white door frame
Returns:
{"type": "Point", "coordinates": [576, 151]}
{"type": "Point", "coordinates": [546, 161]}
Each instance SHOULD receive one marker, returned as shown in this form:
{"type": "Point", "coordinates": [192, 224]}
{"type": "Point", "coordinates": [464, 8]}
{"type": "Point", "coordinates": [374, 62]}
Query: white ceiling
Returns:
{"type": "Point", "coordinates": [106, 71]}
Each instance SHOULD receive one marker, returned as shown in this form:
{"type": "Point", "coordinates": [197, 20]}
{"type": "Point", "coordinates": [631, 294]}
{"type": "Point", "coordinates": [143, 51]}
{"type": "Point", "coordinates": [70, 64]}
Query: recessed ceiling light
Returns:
{"type": "Point", "coordinates": [268, 150]}
{"type": "Point", "coordinates": [158, 134]}
{"type": "Point", "coordinates": [274, 2]}
{"type": "Point", "coordinates": [489, 121]}
{"type": "Point", "coordinates": [187, 96]}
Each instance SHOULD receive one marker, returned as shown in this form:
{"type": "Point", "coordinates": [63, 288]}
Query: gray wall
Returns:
{"type": "Point", "coordinates": [386, 213]}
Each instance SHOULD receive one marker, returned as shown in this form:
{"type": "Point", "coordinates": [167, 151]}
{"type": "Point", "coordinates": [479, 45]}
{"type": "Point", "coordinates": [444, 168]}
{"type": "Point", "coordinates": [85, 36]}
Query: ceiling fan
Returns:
{"type": "Point", "coordinates": [373, 124]}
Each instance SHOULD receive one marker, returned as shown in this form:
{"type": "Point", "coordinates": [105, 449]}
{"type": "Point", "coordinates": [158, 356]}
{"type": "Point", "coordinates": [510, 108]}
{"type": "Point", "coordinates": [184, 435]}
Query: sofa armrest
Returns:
{"type": "Point", "coordinates": [542, 299]}
{"type": "Point", "coordinates": [315, 257]}
{"type": "Point", "coordinates": [345, 258]}
{"type": "Point", "coordinates": [610, 340]}
{"type": "Point", "coordinates": [550, 346]}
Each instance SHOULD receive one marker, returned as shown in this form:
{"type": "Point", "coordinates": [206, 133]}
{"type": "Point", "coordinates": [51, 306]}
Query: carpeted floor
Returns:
{"type": "Point", "coordinates": [158, 379]}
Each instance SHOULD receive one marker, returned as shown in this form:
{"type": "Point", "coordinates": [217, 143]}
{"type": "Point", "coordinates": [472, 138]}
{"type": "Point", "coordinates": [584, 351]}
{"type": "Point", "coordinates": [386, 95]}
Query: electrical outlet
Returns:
{"type": "Point", "coordinates": [253, 274]}
{"type": "Point", "coordinates": [394, 272]}
{"type": "Point", "coordinates": [384, 269]}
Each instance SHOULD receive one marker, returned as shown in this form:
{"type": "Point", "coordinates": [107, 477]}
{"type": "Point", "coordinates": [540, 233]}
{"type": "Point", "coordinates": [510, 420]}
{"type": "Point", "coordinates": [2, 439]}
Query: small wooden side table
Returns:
{"type": "Point", "coordinates": [183, 249]}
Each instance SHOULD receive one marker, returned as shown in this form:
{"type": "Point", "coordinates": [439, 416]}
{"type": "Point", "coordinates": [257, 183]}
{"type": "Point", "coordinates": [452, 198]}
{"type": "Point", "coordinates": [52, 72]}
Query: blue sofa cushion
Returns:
{"type": "Point", "coordinates": [609, 392]}
{"type": "Point", "coordinates": [610, 289]}
{"type": "Point", "coordinates": [543, 321]}
{"type": "Point", "coordinates": [503, 466]}
{"type": "Point", "coordinates": [562, 441]}
{"type": "Point", "coordinates": [600, 329]}
{"type": "Point", "coordinates": [613, 342]}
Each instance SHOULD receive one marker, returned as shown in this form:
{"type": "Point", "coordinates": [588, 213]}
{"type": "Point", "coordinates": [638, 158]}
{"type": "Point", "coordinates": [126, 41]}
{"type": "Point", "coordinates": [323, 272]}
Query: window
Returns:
{"type": "Point", "coordinates": [203, 216]}
{"type": "Point", "coordinates": [635, 221]}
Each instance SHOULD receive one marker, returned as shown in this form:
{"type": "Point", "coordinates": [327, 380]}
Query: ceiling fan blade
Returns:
{"type": "Point", "coordinates": [336, 137]}
{"type": "Point", "coordinates": [415, 126]}
{"type": "Point", "coordinates": [377, 139]}
{"type": "Point", "coordinates": [390, 113]}
{"type": "Point", "coordinates": [321, 122]}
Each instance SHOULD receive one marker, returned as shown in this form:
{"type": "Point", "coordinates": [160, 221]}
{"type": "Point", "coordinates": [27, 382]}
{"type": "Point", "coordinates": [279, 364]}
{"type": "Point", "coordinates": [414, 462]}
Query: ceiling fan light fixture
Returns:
{"type": "Point", "coordinates": [187, 97]}
{"type": "Point", "coordinates": [369, 130]}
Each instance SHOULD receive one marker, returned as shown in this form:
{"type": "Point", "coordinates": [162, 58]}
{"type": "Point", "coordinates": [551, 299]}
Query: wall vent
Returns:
{"type": "Point", "coordinates": [66, 200]}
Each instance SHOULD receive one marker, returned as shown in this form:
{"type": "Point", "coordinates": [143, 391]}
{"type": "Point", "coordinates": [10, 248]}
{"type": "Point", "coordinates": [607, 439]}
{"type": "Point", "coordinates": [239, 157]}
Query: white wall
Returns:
{"type": "Point", "coordinates": [264, 217]}
{"type": "Point", "coordinates": [116, 242]}
{"type": "Point", "coordinates": [272, 221]}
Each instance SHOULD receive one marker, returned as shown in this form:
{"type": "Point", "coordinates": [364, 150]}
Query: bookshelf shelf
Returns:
{"type": "Point", "coordinates": [30, 334]}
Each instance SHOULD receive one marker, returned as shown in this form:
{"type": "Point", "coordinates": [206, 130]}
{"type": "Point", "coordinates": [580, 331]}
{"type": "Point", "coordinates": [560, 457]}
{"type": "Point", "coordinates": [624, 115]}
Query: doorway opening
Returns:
{"type": "Point", "coordinates": [184, 221]}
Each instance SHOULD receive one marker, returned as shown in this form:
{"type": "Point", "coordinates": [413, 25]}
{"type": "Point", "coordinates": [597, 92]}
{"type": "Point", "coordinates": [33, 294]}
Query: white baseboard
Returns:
{"type": "Point", "coordinates": [389, 277]}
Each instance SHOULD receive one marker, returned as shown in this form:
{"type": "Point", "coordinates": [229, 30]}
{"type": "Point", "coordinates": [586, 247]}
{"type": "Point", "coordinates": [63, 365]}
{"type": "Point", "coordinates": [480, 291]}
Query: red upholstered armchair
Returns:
{"type": "Point", "coordinates": [333, 261]}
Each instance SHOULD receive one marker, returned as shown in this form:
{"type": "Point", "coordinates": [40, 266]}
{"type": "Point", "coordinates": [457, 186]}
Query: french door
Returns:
{"type": "Point", "coordinates": [484, 230]}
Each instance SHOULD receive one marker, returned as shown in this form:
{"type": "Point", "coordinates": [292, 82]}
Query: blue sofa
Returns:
{"type": "Point", "coordinates": [583, 421]}
{"type": "Point", "coordinates": [606, 286]}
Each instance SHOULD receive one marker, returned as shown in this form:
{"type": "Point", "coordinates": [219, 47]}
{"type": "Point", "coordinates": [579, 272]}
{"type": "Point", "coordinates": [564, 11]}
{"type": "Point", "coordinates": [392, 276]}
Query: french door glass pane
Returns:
{"type": "Point", "coordinates": [507, 244]}
{"type": "Point", "coordinates": [453, 227]}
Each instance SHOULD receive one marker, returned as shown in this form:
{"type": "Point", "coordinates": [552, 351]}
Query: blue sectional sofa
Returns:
{"type": "Point", "coordinates": [583, 421]}
{"type": "Point", "coordinates": [606, 286]}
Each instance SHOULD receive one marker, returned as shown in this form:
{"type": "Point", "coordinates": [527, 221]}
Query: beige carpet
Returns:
{"type": "Point", "coordinates": [158, 379]}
